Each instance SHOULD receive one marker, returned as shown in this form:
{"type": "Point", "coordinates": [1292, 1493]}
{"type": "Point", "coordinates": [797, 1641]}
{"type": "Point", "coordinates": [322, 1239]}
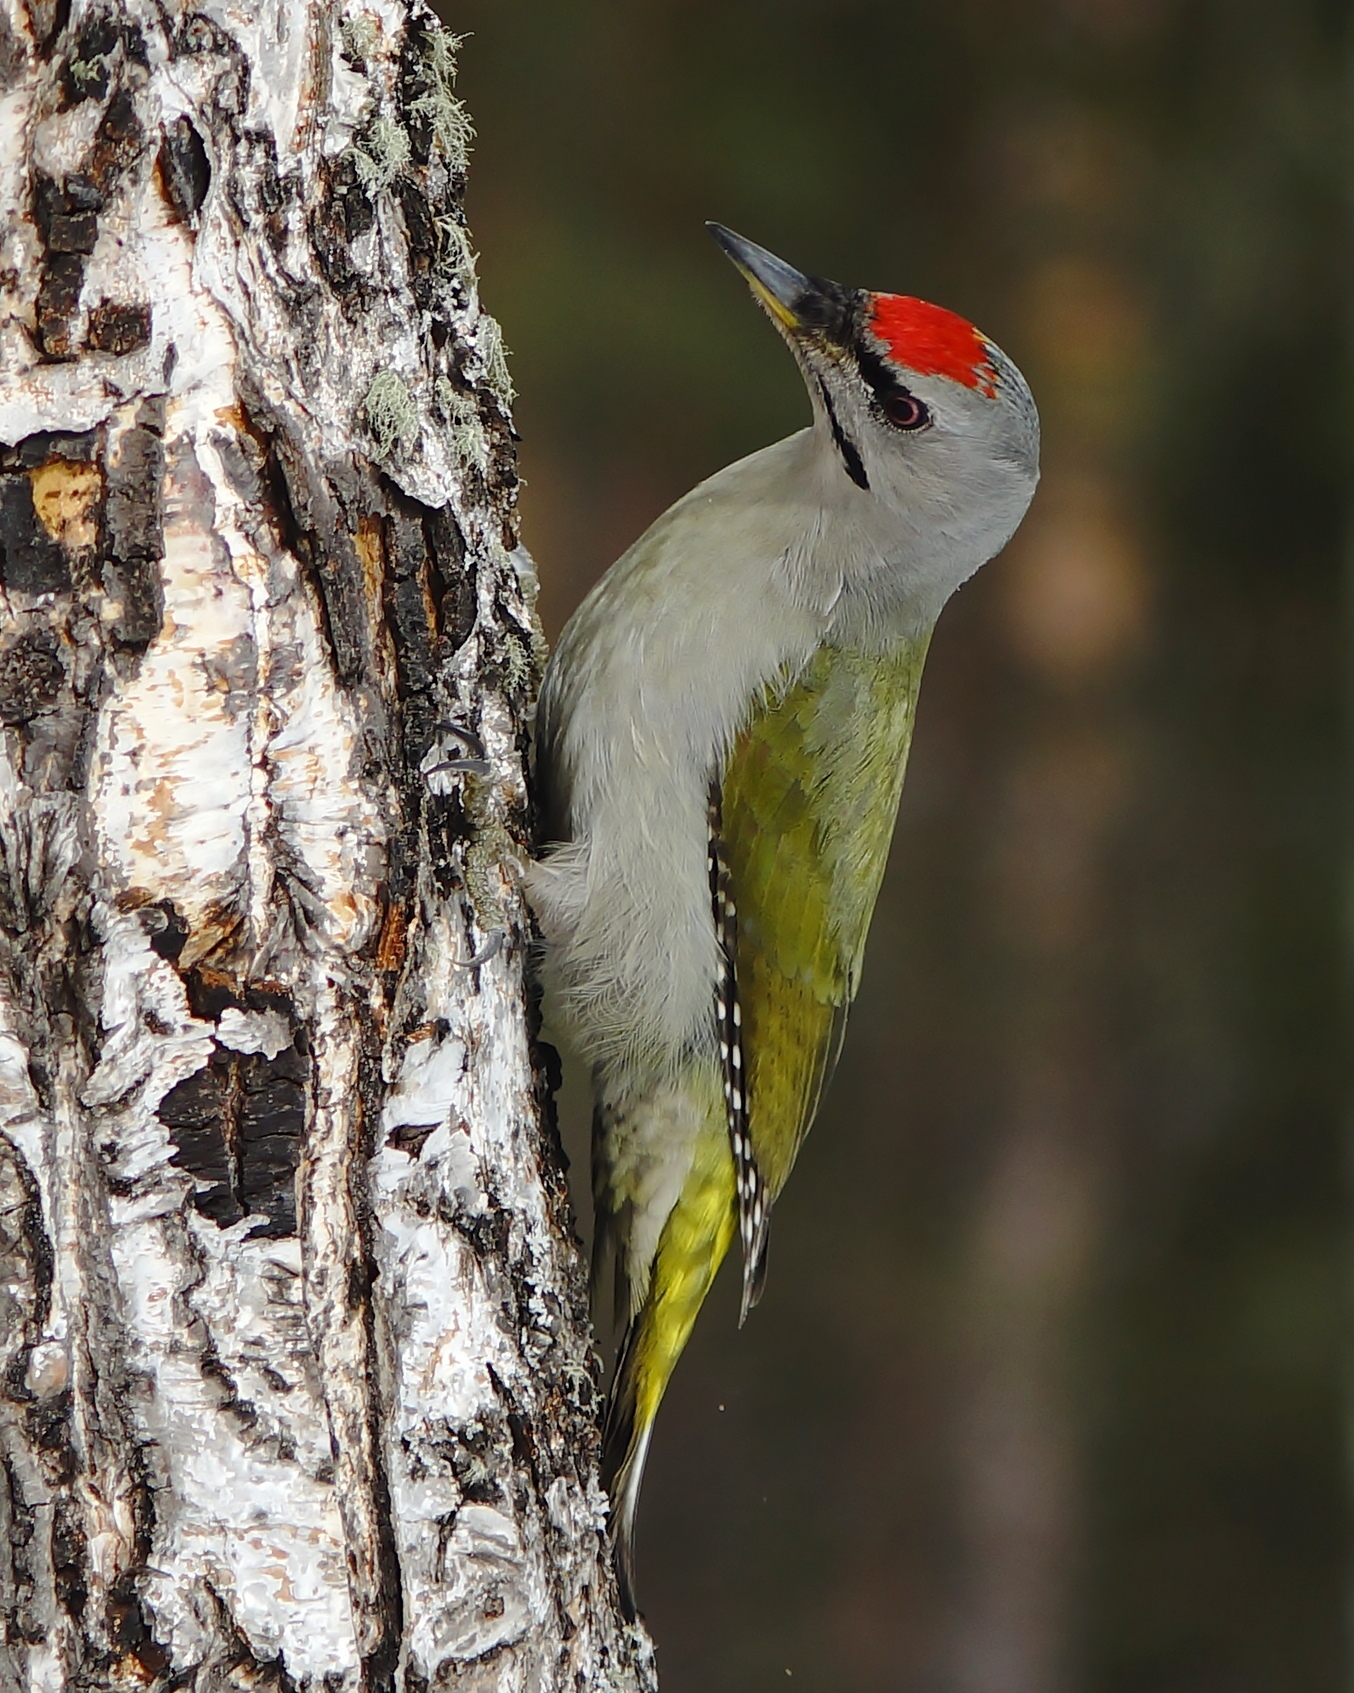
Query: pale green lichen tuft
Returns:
{"type": "Point", "coordinates": [448, 118]}
{"type": "Point", "coordinates": [517, 672]}
{"type": "Point", "coordinates": [361, 36]}
{"type": "Point", "coordinates": [494, 358]}
{"type": "Point", "coordinates": [381, 155]}
{"type": "Point", "coordinates": [468, 439]}
{"type": "Point", "coordinates": [84, 71]}
{"type": "Point", "coordinates": [453, 243]}
{"type": "Point", "coordinates": [392, 416]}
{"type": "Point", "coordinates": [443, 46]}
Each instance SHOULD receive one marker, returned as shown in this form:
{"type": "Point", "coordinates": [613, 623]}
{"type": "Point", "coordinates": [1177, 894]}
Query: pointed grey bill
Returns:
{"type": "Point", "coordinates": [780, 286]}
{"type": "Point", "coordinates": [809, 307]}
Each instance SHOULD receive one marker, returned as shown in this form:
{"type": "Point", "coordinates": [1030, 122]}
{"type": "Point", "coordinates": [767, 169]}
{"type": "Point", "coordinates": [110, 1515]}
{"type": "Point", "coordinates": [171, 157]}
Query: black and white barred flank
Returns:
{"type": "Point", "coordinates": [754, 1198]}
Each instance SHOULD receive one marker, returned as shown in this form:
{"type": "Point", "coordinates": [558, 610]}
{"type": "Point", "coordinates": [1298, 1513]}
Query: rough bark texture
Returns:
{"type": "Point", "coordinates": [296, 1387]}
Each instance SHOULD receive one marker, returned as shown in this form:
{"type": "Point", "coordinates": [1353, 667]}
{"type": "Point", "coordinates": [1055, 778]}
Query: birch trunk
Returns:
{"type": "Point", "coordinates": [297, 1388]}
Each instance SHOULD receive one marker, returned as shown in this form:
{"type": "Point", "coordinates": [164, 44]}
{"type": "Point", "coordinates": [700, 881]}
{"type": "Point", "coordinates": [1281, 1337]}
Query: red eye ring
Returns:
{"type": "Point", "coordinates": [906, 411]}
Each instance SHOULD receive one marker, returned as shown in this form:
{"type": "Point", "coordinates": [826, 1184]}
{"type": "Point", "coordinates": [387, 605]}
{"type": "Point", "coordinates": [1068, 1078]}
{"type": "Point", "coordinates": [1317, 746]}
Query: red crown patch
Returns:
{"type": "Point", "coordinates": [932, 341]}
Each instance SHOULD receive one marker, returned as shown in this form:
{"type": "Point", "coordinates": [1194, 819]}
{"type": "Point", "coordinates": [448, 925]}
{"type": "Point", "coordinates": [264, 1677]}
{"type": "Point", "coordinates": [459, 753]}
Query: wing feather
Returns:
{"type": "Point", "coordinates": [754, 1199]}
{"type": "Point", "coordinates": [806, 812]}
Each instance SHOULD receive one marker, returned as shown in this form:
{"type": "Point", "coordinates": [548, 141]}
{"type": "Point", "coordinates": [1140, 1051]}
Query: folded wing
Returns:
{"type": "Point", "coordinates": [805, 815]}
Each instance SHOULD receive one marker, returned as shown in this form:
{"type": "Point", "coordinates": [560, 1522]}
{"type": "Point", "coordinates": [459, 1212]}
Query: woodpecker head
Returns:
{"type": "Point", "coordinates": [925, 415]}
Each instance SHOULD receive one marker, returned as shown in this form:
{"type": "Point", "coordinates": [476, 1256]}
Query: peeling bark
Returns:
{"type": "Point", "coordinates": [296, 1383]}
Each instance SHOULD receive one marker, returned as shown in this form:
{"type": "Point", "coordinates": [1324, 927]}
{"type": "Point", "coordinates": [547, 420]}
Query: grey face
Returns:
{"type": "Point", "coordinates": [878, 413]}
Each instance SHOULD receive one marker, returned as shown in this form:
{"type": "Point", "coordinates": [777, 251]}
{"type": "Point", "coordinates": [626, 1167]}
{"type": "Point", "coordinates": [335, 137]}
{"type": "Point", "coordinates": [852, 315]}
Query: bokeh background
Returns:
{"type": "Point", "coordinates": [1045, 1394]}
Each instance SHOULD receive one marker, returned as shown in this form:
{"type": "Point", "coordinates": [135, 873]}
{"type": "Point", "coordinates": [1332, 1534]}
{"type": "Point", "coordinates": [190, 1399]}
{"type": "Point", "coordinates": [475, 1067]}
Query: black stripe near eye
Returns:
{"type": "Point", "coordinates": [899, 404]}
{"type": "Point", "coordinates": [879, 377]}
{"type": "Point", "coordinates": [851, 459]}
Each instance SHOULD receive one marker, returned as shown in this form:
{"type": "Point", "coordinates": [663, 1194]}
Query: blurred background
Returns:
{"type": "Point", "coordinates": [1045, 1394]}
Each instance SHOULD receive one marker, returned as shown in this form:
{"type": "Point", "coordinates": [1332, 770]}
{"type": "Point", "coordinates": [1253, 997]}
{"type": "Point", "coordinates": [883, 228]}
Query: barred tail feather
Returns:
{"type": "Point", "coordinates": [754, 1257]}
{"type": "Point", "coordinates": [625, 1445]}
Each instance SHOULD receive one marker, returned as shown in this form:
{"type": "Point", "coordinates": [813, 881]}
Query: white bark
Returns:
{"type": "Point", "coordinates": [296, 1386]}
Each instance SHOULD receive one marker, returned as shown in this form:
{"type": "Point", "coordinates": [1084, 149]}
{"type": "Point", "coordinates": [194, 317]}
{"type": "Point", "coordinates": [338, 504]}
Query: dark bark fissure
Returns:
{"type": "Point", "coordinates": [238, 1123]}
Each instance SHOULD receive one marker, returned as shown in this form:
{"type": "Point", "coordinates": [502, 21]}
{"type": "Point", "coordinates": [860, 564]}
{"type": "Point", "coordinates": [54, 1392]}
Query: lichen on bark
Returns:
{"type": "Point", "coordinates": [297, 1388]}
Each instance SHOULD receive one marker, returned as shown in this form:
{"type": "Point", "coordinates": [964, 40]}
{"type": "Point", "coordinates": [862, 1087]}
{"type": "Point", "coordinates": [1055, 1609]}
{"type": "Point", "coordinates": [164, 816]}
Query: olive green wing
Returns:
{"type": "Point", "coordinates": [805, 815]}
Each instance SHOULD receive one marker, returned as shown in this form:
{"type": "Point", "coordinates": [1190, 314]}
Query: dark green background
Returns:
{"type": "Point", "coordinates": [1044, 1395]}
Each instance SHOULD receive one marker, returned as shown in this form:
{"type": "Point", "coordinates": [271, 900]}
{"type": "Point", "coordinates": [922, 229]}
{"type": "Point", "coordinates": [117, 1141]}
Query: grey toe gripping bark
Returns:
{"type": "Point", "coordinates": [295, 1377]}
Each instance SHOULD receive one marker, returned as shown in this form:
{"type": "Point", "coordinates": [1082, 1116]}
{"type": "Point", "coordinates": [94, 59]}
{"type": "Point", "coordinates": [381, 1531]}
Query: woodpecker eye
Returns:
{"type": "Point", "coordinates": [906, 411]}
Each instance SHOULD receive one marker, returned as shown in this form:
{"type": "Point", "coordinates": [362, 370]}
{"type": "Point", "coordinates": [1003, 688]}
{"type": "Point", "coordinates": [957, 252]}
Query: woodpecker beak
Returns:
{"type": "Point", "coordinates": [801, 304]}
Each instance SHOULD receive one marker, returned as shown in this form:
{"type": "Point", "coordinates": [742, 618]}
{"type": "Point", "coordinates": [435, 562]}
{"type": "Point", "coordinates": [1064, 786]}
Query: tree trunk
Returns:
{"type": "Point", "coordinates": [297, 1387]}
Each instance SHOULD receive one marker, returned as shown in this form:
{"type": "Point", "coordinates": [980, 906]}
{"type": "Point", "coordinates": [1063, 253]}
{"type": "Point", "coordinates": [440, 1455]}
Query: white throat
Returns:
{"type": "Point", "coordinates": [878, 564]}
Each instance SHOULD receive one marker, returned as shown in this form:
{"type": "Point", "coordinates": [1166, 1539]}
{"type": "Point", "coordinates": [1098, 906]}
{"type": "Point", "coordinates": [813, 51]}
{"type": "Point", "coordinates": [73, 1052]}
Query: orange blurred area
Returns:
{"type": "Point", "coordinates": [1044, 1394]}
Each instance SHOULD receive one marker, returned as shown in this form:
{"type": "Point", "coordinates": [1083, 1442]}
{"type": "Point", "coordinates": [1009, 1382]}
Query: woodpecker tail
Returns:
{"type": "Point", "coordinates": [690, 1250]}
{"type": "Point", "coordinates": [625, 1445]}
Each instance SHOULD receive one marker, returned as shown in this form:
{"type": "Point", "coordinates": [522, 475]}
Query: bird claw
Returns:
{"type": "Point", "coordinates": [467, 737]}
{"type": "Point", "coordinates": [494, 942]}
{"type": "Point", "coordinates": [473, 761]}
